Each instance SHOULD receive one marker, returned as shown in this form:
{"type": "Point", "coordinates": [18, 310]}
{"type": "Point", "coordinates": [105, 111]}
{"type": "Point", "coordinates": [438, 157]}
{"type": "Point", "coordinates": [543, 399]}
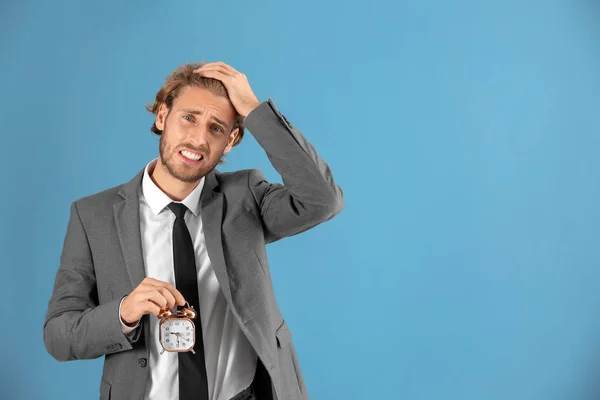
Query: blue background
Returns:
{"type": "Point", "coordinates": [465, 135]}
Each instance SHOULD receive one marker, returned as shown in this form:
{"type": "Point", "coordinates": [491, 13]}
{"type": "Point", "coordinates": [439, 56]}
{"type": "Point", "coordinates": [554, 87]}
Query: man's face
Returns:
{"type": "Point", "coordinates": [198, 122]}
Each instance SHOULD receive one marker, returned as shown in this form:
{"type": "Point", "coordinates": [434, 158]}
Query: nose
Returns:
{"type": "Point", "coordinates": [198, 137]}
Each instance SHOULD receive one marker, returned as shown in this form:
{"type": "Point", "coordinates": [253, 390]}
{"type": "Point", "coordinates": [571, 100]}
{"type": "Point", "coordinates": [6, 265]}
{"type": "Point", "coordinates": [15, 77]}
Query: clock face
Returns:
{"type": "Point", "coordinates": [177, 334]}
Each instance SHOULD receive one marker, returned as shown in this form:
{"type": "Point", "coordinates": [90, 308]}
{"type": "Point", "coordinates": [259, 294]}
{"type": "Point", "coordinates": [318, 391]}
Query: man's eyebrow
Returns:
{"type": "Point", "coordinates": [198, 112]}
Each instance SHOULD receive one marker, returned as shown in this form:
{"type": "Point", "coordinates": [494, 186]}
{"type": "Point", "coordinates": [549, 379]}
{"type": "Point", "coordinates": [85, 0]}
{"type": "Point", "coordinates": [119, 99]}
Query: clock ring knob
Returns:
{"type": "Point", "coordinates": [189, 311]}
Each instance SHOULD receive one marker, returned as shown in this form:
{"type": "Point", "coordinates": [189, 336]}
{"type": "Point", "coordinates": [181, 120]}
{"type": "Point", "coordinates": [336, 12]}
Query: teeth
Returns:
{"type": "Point", "coordinates": [190, 155]}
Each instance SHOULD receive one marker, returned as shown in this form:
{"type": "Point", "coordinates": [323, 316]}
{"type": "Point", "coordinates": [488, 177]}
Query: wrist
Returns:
{"type": "Point", "coordinates": [130, 324]}
{"type": "Point", "coordinates": [125, 320]}
{"type": "Point", "coordinates": [250, 108]}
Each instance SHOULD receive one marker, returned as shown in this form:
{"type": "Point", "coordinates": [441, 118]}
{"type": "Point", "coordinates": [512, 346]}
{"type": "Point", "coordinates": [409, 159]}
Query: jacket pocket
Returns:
{"type": "Point", "coordinates": [104, 390]}
{"type": "Point", "coordinates": [287, 368]}
{"type": "Point", "coordinates": [237, 224]}
{"type": "Point", "coordinates": [284, 336]}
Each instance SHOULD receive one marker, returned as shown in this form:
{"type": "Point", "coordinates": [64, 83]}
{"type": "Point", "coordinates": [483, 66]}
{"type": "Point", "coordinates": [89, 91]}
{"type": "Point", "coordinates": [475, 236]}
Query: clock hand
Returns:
{"type": "Point", "coordinates": [180, 336]}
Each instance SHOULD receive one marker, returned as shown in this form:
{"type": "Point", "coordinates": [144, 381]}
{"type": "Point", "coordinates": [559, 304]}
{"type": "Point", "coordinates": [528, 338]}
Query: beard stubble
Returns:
{"type": "Point", "coordinates": [180, 171]}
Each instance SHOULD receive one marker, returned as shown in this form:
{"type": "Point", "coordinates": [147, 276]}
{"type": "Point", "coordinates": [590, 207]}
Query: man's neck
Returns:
{"type": "Point", "coordinates": [172, 187]}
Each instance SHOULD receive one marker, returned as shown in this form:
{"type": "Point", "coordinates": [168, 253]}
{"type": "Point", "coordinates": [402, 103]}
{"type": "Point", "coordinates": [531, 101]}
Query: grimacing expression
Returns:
{"type": "Point", "coordinates": [199, 122]}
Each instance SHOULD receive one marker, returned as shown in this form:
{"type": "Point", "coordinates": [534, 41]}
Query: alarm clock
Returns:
{"type": "Point", "coordinates": [177, 332]}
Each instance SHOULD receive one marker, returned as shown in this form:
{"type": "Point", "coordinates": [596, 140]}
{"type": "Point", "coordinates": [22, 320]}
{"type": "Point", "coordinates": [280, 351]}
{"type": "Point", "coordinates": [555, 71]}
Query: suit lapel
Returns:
{"type": "Point", "coordinates": [127, 219]}
{"type": "Point", "coordinates": [211, 212]}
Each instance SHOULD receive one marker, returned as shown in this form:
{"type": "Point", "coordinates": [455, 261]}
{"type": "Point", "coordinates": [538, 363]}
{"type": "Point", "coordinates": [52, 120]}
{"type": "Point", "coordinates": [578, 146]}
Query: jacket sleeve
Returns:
{"type": "Point", "coordinates": [76, 325]}
{"type": "Point", "coordinates": [308, 196]}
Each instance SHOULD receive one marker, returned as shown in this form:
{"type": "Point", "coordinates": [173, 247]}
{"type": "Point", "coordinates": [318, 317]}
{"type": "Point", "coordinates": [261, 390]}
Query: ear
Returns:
{"type": "Point", "coordinates": [161, 116]}
{"type": "Point", "coordinates": [232, 137]}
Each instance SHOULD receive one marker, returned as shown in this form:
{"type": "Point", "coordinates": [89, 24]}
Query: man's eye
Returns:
{"type": "Point", "coordinates": [187, 117]}
{"type": "Point", "coordinates": [218, 128]}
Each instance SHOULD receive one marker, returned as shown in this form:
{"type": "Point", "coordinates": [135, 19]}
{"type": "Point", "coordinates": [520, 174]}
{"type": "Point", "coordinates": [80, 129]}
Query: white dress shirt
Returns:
{"type": "Point", "coordinates": [230, 359]}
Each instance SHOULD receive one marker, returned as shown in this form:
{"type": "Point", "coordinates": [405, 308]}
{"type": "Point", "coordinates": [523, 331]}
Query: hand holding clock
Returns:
{"type": "Point", "coordinates": [149, 297]}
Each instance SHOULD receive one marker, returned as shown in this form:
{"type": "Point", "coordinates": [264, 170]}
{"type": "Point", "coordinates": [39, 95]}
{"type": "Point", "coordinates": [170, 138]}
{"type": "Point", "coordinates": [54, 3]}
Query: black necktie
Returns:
{"type": "Point", "coordinates": [193, 383]}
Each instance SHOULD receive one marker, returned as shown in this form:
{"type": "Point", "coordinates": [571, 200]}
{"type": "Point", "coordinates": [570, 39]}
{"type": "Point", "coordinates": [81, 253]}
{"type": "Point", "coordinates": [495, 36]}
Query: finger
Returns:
{"type": "Point", "coordinates": [218, 64]}
{"type": "Point", "coordinates": [177, 296]}
{"type": "Point", "coordinates": [155, 296]}
{"type": "Point", "coordinates": [229, 72]}
{"type": "Point", "coordinates": [208, 71]}
{"type": "Point", "coordinates": [227, 67]}
{"type": "Point", "coordinates": [152, 307]}
{"type": "Point", "coordinates": [226, 79]}
{"type": "Point", "coordinates": [216, 68]}
{"type": "Point", "coordinates": [168, 296]}
{"type": "Point", "coordinates": [148, 281]}
{"type": "Point", "coordinates": [208, 65]}
{"type": "Point", "coordinates": [153, 283]}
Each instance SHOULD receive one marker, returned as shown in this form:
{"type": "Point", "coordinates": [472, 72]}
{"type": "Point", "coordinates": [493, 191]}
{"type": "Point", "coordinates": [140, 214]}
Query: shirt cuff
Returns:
{"type": "Point", "coordinates": [126, 328]}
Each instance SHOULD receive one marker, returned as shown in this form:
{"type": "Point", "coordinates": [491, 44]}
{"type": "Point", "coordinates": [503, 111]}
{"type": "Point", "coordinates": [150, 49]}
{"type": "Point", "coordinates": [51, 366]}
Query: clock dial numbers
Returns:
{"type": "Point", "coordinates": [177, 334]}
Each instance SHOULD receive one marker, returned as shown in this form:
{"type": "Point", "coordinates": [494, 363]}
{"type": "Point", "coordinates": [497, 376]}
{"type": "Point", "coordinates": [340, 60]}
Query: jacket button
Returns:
{"type": "Point", "coordinates": [143, 362]}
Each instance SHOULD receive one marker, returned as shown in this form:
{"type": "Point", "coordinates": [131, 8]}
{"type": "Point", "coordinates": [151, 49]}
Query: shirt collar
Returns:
{"type": "Point", "coordinates": [158, 200]}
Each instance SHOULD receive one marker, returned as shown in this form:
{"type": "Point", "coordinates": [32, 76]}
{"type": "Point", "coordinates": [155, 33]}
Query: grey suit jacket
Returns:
{"type": "Point", "coordinates": [241, 212]}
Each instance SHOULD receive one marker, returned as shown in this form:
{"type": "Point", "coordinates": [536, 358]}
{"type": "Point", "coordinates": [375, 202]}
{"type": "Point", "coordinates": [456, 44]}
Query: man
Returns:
{"type": "Point", "coordinates": [181, 231]}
